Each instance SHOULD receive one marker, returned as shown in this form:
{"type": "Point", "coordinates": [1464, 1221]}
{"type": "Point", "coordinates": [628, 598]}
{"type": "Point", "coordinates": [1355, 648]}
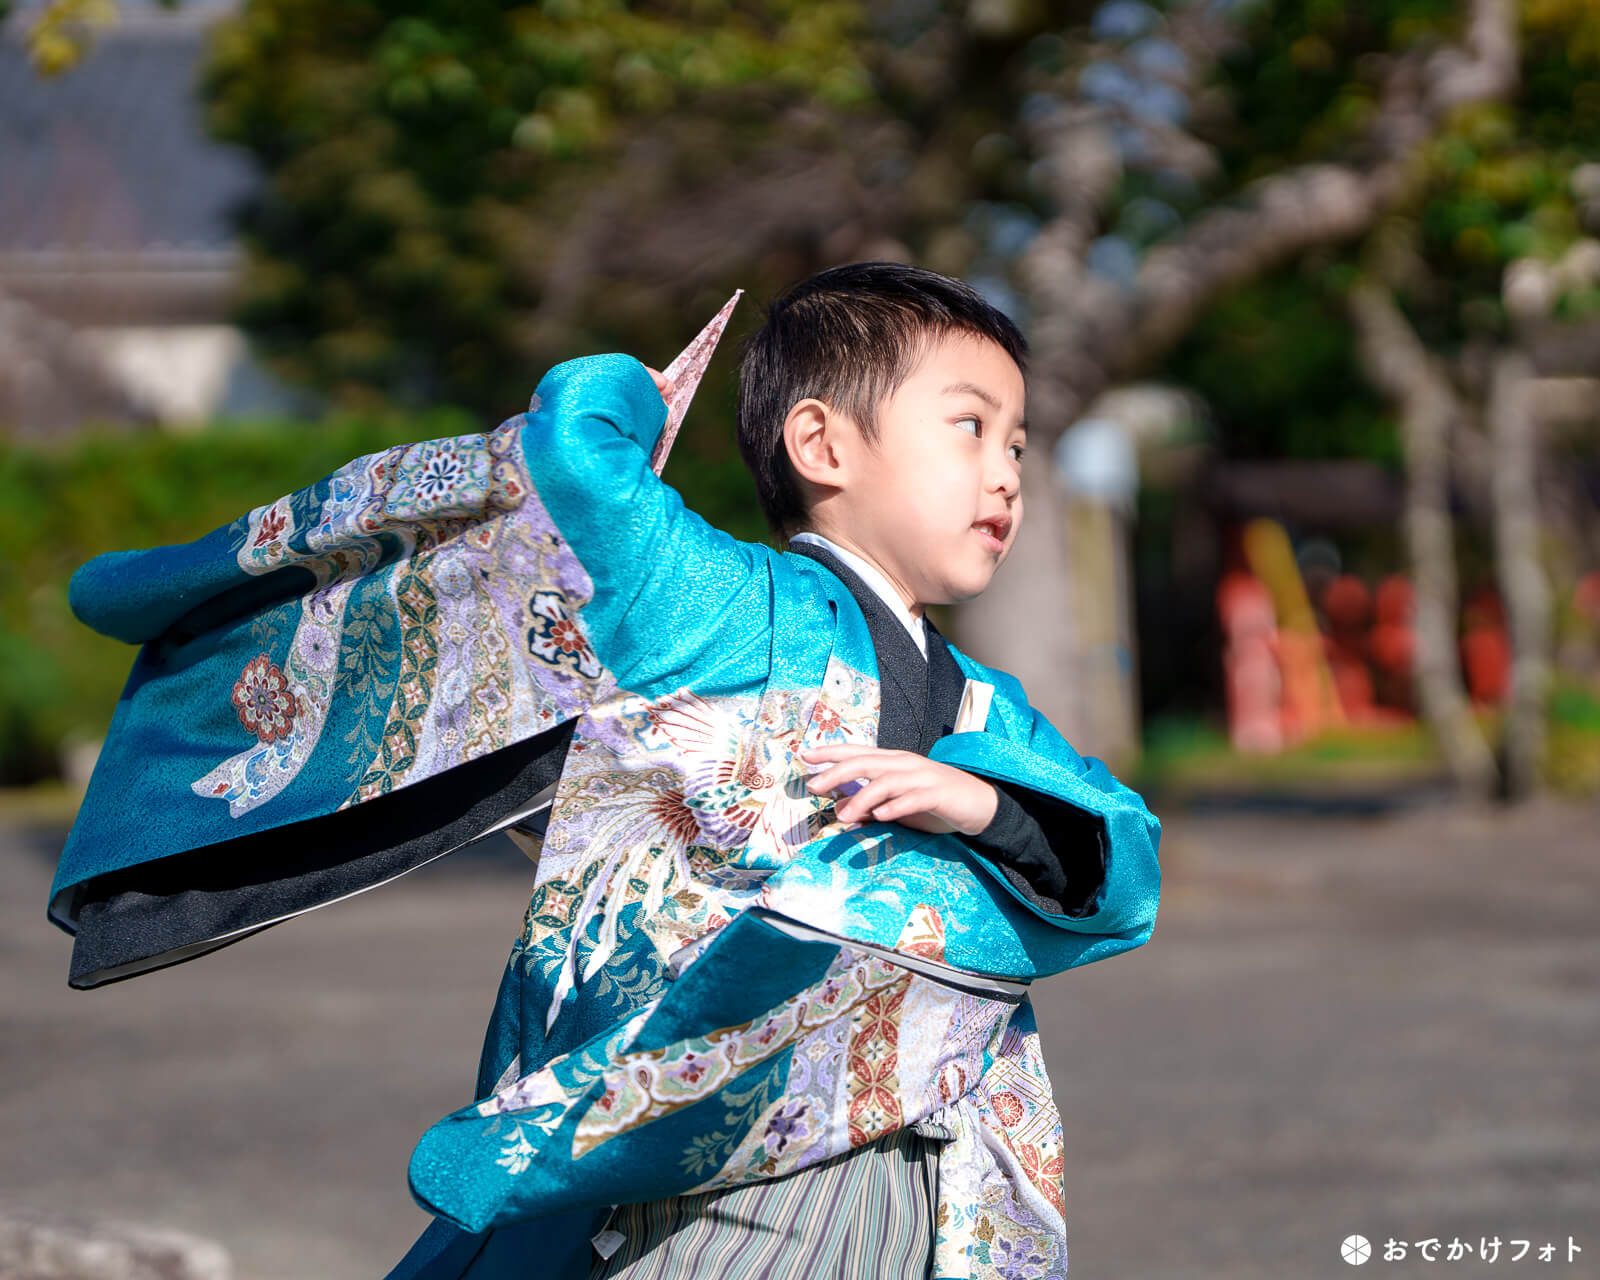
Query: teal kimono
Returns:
{"type": "Point", "coordinates": [716, 981]}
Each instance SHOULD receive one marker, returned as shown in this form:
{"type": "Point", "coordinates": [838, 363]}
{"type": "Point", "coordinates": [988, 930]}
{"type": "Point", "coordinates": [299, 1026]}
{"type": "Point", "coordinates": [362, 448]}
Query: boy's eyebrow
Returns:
{"type": "Point", "coordinates": [972, 388]}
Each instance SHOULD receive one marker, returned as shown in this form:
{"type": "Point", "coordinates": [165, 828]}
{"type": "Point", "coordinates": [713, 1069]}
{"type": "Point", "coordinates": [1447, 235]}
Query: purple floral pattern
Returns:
{"type": "Point", "coordinates": [480, 667]}
{"type": "Point", "coordinates": [786, 1125]}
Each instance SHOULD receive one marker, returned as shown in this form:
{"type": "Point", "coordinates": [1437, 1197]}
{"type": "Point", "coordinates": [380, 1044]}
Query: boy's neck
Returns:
{"type": "Point", "coordinates": [843, 543]}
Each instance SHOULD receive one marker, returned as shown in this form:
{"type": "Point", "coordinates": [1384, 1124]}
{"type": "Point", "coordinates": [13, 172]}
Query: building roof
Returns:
{"type": "Point", "coordinates": [112, 157]}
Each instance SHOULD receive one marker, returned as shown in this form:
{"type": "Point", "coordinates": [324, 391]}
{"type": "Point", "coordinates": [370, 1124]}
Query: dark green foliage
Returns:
{"type": "Point", "coordinates": [1304, 82]}
{"type": "Point", "coordinates": [425, 161]}
{"type": "Point", "coordinates": [1276, 363]}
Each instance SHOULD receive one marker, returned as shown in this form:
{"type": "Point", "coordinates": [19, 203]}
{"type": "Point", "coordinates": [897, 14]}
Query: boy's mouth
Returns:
{"type": "Point", "coordinates": [994, 530]}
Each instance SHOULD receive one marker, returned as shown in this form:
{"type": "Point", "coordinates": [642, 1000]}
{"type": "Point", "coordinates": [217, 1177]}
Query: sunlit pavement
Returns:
{"type": "Point", "coordinates": [1383, 1026]}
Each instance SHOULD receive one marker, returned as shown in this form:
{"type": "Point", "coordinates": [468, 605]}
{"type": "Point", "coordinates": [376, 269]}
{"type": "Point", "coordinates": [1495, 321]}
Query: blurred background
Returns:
{"type": "Point", "coordinates": [1312, 548]}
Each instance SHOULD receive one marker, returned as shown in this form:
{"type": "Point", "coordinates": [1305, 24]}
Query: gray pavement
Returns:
{"type": "Point", "coordinates": [1384, 1025]}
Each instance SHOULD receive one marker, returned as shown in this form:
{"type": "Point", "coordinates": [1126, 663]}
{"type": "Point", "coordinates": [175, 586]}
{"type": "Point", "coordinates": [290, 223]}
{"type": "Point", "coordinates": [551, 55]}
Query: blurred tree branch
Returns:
{"type": "Point", "coordinates": [1090, 333]}
{"type": "Point", "coordinates": [456, 196]}
{"type": "Point", "coordinates": [1524, 584]}
{"type": "Point", "coordinates": [1430, 411]}
{"type": "Point", "coordinates": [1096, 335]}
{"type": "Point", "coordinates": [1520, 410]}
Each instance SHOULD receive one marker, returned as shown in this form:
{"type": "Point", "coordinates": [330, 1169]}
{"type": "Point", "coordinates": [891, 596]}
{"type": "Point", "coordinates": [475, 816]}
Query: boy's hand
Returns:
{"type": "Point", "coordinates": [902, 786]}
{"type": "Point", "coordinates": [663, 385]}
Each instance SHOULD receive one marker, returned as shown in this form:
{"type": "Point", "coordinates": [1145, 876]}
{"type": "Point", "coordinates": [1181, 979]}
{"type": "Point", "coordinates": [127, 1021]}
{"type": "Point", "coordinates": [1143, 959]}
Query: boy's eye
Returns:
{"type": "Point", "coordinates": [977, 429]}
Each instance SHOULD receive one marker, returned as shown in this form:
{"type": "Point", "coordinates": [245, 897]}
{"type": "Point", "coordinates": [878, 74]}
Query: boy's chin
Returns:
{"type": "Point", "coordinates": [967, 589]}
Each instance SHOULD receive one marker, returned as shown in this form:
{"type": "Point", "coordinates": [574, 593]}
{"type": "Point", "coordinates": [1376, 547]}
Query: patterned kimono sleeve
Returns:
{"type": "Point", "coordinates": [662, 586]}
{"type": "Point", "coordinates": [367, 673]}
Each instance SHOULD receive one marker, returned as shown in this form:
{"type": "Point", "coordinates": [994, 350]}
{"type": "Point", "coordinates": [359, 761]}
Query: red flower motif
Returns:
{"type": "Point", "coordinates": [565, 633]}
{"type": "Point", "coordinates": [1044, 1174]}
{"type": "Point", "coordinates": [1008, 1108]}
{"type": "Point", "coordinates": [263, 700]}
{"type": "Point", "coordinates": [825, 718]}
{"type": "Point", "coordinates": [693, 1069]}
{"type": "Point", "coordinates": [274, 524]}
{"type": "Point", "coordinates": [952, 1082]}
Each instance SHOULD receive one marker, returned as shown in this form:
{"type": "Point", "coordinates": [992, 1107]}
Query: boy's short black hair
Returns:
{"type": "Point", "coordinates": [848, 336]}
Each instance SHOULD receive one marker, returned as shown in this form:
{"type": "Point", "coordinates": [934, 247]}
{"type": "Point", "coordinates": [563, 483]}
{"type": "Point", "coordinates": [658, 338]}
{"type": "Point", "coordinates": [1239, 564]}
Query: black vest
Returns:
{"type": "Point", "coordinates": [919, 697]}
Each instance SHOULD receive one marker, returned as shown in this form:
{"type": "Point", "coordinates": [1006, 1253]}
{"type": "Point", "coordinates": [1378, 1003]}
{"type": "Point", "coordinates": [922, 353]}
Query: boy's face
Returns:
{"type": "Point", "coordinates": [948, 457]}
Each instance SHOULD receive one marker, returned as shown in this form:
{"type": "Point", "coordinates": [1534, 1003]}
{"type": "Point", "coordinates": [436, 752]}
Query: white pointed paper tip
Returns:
{"type": "Point", "coordinates": [685, 373]}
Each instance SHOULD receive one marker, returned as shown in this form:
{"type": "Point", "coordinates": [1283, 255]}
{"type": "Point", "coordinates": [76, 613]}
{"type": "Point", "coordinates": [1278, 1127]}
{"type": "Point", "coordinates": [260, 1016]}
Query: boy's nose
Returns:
{"type": "Point", "coordinates": [1003, 478]}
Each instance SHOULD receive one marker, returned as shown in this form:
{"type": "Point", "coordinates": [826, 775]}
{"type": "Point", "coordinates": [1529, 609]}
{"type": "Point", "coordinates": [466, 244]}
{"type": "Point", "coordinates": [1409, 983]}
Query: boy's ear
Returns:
{"type": "Point", "coordinates": [813, 436]}
{"type": "Point", "coordinates": [823, 444]}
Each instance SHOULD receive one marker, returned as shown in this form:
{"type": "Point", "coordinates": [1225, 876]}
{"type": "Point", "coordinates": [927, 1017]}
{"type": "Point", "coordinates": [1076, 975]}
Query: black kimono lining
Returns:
{"type": "Point", "coordinates": [161, 913]}
{"type": "Point", "coordinates": [1051, 852]}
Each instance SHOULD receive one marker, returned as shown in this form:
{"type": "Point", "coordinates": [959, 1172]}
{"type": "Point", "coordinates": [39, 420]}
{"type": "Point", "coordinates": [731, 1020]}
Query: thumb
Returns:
{"type": "Point", "coordinates": [663, 383]}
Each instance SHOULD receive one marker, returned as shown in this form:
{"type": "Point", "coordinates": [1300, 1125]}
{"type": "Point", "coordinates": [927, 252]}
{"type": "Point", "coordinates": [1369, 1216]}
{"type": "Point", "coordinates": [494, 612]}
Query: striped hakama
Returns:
{"type": "Point", "coordinates": [867, 1214]}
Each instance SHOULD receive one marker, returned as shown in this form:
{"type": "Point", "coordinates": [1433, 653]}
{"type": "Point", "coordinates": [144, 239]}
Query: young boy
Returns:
{"type": "Point", "coordinates": [768, 1010]}
{"type": "Point", "coordinates": [881, 413]}
{"type": "Point", "coordinates": [880, 461]}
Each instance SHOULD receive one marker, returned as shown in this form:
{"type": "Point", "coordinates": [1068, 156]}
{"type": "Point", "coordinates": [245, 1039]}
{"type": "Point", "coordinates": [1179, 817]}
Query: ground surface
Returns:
{"type": "Point", "coordinates": [1382, 1024]}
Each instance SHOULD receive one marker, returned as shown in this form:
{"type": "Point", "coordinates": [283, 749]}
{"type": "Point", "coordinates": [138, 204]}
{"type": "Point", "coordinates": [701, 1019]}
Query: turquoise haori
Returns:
{"type": "Point", "coordinates": [717, 982]}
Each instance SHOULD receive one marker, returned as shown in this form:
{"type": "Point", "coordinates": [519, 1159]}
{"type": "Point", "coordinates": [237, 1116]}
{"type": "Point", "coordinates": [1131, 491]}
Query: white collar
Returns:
{"type": "Point", "coordinates": [873, 577]}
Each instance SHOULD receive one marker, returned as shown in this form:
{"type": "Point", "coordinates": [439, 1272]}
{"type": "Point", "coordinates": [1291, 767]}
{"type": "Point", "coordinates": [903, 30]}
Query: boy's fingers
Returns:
{"type": "Point", "coordinates": [874, 793]}
{"type": "Point", "coordinates": [854, 758]}
{"type": "Point", "coordinates": [906, 775]}
{"type": "Point", "coordinates": [859, 767]}
{"type": "Point", "coordinates": [846, 753]}
{"type": "Point", "coordinates": [892, 790]}
{"type": "Point", "coordinates": [877, 808]}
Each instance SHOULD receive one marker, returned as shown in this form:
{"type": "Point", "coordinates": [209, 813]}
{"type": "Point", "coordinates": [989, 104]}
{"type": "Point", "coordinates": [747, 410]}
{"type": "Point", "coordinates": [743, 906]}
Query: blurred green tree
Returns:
{"type": "Point", "coordinates": [446, 181]}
